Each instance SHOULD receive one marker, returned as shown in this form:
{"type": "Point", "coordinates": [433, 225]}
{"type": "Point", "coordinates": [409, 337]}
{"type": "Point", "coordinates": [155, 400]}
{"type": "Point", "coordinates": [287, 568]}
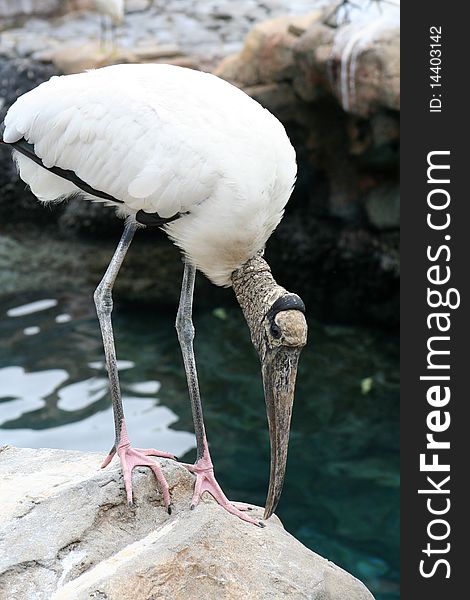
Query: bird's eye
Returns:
{"type": "Point", "coordinates": [286, 302]}
{"type": "Point", "coordinates": [275, 330]}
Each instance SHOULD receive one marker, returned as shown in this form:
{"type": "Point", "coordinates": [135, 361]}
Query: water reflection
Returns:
{"type": "Point", "coordinates": [63, 409]}
{"type": "Point", "coordinates": [31, 307]}
{"type": "Point", "coordinates": [95, 432]}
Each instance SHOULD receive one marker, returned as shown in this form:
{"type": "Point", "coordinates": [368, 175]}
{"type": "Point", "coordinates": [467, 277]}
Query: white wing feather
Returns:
{"type": "Point", "coordinates": [164, 139]}
{"type": "Point", "coordinates": [115, 139]}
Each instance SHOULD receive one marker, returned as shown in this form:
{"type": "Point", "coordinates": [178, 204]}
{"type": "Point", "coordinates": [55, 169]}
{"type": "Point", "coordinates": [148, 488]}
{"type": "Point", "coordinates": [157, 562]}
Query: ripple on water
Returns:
{"type": "Point", "coordinates": [32, 307]}
{"type": "Point", "coordinates": [22, 393]}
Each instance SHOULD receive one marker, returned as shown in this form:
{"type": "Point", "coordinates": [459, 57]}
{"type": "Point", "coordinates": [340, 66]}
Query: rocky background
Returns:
{"type": "Point", "coordinates": [331, 76]}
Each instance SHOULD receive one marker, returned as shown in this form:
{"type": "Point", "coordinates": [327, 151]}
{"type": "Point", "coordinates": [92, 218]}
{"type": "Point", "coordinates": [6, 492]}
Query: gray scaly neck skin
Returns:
{"type": "Point", "coordinates": [256, 291]}
{"type": "Point", "coordinates": [278, 332]}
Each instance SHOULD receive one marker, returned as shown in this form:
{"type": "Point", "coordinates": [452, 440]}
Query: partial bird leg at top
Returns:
{"type": "Point", "coordinates": [102, 33]}
{"type": "Point", "coordinates": [203, 468]}
{"type": "Point", "coordinates": [129, 457]}
{"type": "Point", "coordinates": [113, 36]}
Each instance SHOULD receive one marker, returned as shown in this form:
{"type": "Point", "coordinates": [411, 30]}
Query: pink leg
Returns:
{"type": "Point", "coordinates": [206, 482]}
{"type": "Point", "coordinates": [138, 457]}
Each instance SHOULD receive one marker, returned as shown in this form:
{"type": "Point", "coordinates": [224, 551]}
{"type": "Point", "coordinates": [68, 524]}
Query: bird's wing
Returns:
{"type": "Point", "coordinates": [112, 138]}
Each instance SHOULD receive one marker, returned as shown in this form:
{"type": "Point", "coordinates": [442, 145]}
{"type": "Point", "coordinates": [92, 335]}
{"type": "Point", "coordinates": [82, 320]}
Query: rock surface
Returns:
{"type": "Point", "coordinates": [17, 76]}
{"type": "Point", "coordinates": [34, 260]}
{"type": "Point", "coordinates": [67, 534]}
{"type": "Point", "coordinates": [18, 8]}
{"type": "Point", "coordinates": [358, 63]}
{"type": "Point", "coordinates": [209, 29]}
{"type": "Point", "coordinates": [72, 59]}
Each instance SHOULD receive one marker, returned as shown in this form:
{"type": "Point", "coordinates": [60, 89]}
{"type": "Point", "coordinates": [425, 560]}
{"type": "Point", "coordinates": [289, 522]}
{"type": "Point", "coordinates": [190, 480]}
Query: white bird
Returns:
{"type": "Point", "coordinates": [114, 9]}
{"type": "Point", "coordinates": [183, 150]}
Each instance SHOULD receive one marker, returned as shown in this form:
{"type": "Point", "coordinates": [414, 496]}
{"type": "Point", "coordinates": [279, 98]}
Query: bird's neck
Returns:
{"type": "Point", "coordinates": [256, 291]}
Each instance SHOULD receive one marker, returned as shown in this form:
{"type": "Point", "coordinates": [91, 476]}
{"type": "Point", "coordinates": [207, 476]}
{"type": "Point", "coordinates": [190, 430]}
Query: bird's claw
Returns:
{"type": "Point", "coordinates": [139, 457]}
{"type": "Point", "coordinates": [206, 482]}
{"type": "Point", "coordinates": [153, 452]}
{"type": "Point", "coordinates": [242, 506]}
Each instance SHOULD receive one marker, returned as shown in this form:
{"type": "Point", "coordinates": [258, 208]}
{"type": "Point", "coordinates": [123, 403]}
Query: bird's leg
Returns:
{"type": "Point", "coordinates": [203, 468]}
{"type": "Point", "coordinates": [113, 37]}
{"type": "Point", "coordinates": [102, 33]}
{"type": "Point", "coordinates": [129, 456]}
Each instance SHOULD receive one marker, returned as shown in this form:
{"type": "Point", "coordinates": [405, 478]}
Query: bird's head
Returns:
{"type": "Point", "coordinates": [279, 332]}
{"type": "Point", "coordinates": [283, 335]}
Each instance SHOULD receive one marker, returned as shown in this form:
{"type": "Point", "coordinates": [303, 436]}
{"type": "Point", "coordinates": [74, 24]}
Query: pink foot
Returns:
{"type": "Point", "coordinates": [242, 505]}
{"type": "Point", "coordinates": [138, 457]}
{"type": "Point", "coordinates": [206, 482]}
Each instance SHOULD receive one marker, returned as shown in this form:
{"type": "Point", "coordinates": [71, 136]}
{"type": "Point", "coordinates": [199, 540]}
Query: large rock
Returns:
{"type": "Point", "coordinates": [67, 534]}
{"type": "Point", "coordinates": [17, 76]}
{"type": "Point", "coordinates": [17, 8]}
{"type": "Point", "coordinates": [362, 74]}
{"type": "Point", "coordinates": [72, 59]}
{"type": "Point", "coordinates": [268, 52]}
{"type": "Point", "coordinates": [358, 64]}
{"type": "Point", "coordinates": [383, 207]}
{"type": "Point", "coordinates": [34, 260]}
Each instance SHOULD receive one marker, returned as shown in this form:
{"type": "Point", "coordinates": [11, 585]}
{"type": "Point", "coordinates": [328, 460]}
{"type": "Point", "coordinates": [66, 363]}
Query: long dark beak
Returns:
{"type": "Point", "coordinates": [279, 371]}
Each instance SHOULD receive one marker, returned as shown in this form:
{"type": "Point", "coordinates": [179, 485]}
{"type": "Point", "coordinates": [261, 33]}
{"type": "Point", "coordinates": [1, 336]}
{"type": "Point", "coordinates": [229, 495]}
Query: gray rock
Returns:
{"type": "Point", "coordinates": [268, 53]}
{"type": "Point", "coordinates": [15, 8]}
{"type": "Point", "coordinates": [315, 58]}
{"type": "Point", "coordinates": [67, 534]}
{"type": "Point", "coordinates": [207, 29]}
{"type": "Point", "coordinates": [34, 259]}
{"type": "Point", "coordinates": [17, 76]}
{"type": "Point", "coordinates": [383, 207]}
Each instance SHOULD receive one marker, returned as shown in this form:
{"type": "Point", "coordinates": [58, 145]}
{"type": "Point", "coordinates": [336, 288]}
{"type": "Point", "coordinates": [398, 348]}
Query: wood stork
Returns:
{"type": "Point", "coordinates": [114, 9]}
{"type": "Point", "coordinates": [186, 151]}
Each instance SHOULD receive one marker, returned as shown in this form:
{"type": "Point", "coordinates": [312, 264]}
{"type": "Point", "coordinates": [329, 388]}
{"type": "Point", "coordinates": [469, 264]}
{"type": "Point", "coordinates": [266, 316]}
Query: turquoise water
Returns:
{"type": "Point", "coordinates": [341, 494]}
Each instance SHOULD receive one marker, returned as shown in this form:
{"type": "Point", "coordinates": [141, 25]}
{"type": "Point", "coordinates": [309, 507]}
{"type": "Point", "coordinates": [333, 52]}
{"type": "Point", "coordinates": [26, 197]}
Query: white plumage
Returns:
{"type": "Point", "coordinates": [114, 9]}
{"type": "Point", "coordinates": [111, 8]}
{"type": "Point", "coordinates": [164, 139]}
